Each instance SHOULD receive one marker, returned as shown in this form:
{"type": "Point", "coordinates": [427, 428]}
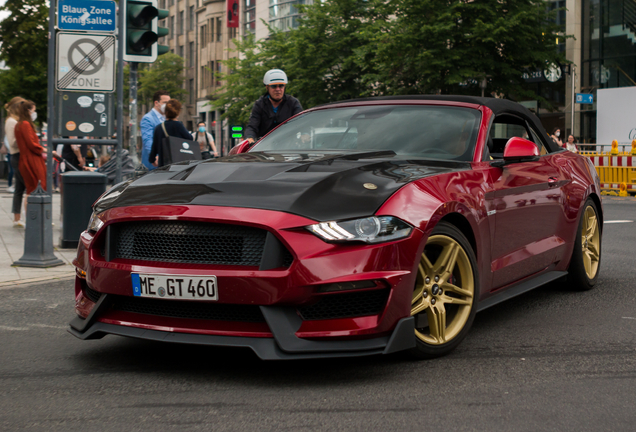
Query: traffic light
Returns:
{"type": "Point", "coordinates": [237, 132]}
{"type": "Point", "coordinates": [142, 31]}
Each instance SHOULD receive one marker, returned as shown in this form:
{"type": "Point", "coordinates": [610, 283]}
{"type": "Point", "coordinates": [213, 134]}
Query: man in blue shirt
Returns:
{"type": "Point", "coordinates": [148, 124]}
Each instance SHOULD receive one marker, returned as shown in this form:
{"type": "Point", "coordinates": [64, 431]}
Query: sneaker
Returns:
{"type": "Point", "coordinates": [18, 224]}
{"type": "Point", "coordinates": [11, 189]}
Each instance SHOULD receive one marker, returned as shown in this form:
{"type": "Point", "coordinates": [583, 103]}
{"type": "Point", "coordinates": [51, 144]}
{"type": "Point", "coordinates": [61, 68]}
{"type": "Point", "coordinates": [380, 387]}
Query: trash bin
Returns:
{"type": "Point", "coordinates": [80, 189]}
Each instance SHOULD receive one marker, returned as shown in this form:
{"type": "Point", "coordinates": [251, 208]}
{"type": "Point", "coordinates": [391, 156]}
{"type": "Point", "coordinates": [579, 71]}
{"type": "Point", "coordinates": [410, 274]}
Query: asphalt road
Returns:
{"type": "Point", "coordinates": [549, 360]}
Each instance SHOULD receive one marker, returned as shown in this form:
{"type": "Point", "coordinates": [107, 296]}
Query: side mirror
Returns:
{"type": "Point", "coordinates": [518, 150]}
{"type": "Point", "coordinates": [243, 147]}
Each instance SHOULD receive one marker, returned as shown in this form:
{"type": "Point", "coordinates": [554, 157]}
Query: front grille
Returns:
{"type": "Point", "coordinates": [188, 309]}
{"type": "Point", "coordinates": [91, 294]}
{"type": "Point", "coordinates": [189, 242]}
{"type": "Point", "coordinates": [346, 305]}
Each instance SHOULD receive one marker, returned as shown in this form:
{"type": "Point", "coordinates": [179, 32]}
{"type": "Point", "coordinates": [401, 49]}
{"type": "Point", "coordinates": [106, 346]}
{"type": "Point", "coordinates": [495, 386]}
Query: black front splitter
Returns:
{"type": "Point", "coordinates": [285, 345]}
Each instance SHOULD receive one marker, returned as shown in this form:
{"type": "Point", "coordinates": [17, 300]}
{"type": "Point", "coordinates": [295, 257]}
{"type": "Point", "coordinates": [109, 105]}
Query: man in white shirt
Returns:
{"type": "Point", "coordinates": [149, 122]}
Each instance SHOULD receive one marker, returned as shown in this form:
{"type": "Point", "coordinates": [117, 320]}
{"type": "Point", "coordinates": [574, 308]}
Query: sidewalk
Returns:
{"type": "Point", "coordinates": [12, 247]}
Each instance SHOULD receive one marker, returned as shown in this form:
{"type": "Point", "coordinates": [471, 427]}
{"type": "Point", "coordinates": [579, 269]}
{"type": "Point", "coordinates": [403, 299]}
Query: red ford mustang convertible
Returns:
{"type": "Point", "coordinates": [355, 228]}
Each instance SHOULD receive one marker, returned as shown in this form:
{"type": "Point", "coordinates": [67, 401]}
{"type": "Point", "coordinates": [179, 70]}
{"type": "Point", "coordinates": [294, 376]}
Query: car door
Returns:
{"type": "Point", "coordinates": [525, 208]}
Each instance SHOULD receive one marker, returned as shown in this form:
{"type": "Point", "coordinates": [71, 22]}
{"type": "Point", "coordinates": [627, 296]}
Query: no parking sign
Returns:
{"type": "Point", "coordinates": [85, 62]}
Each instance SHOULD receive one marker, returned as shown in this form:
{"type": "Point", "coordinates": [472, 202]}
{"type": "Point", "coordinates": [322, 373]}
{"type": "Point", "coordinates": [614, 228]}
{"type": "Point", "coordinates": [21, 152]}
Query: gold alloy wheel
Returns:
{"type": "Point", "coordinates": [444, 291]}
{"type": "Point", "coordinates": [590, 242]}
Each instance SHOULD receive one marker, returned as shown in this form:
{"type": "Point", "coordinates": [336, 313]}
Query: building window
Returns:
{"type": "Point", "coordinates": [205, 77]}
{"type": "Point", "coordinates": [218, 70]}
{"type": "Point", "coordinates": [219, 29]}
{"type": "Point", "coordinates": [191, 90]}
{"type": "Point", "coordinates": [191, 18]}
{"type": "Point", "coordinates": [250, 16]}
{"type": "Point", "coordinates": [171, 3]}
{"type": "Point", "coordinates": [180, 22]}
{"type": "Point", "coordinates": [204, 37]}
{"type": "Point", "coordinates": [162, 4]}
{"type": "Point", "coordinates": [191, 54]}
{"type": "Point", "coordinates": [171, 27]}
{"type": "Point", "coordinates": [181, 53]}
{"type": "Point", "coordinates": [284, 15]}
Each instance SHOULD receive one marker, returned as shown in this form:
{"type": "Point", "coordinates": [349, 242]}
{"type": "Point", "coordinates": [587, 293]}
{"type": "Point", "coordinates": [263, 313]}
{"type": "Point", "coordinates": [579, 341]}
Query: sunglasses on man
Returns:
{"type": "Point", "coordinates": [277, 86]}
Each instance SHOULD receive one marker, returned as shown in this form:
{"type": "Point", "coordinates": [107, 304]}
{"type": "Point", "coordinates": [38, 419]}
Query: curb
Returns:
{"type": "Point", "coordinates": [35, 281]}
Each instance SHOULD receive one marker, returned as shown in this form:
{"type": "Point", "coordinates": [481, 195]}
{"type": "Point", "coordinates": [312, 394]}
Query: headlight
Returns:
{"type": "Point", "coordinates": [95, 223]}
{"type": "Point", "coordinates": [374, 229]}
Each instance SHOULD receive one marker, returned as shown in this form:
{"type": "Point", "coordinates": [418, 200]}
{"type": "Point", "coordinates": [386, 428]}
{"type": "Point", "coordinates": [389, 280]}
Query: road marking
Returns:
{"type": "Point", "coordinates": [7, 328]}
{"type": "Point", "coordinates": [629, 318]}
{"type": "Point", "coordinates": [618, 221]}
{"type": "Point", "coordinates": [48, 326]}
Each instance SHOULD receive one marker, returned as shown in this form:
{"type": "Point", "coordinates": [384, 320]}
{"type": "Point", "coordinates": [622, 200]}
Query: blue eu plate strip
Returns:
{"type": "Point", "coordinates": [136, 284]}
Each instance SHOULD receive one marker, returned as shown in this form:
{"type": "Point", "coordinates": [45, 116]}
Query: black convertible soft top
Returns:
{"type": "Point", "coordinates": [498, 106]}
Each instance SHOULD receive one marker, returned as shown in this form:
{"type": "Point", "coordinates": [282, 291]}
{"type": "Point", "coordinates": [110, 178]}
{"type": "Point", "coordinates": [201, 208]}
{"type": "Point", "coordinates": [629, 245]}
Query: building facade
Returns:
{"type": "Point", "coordinates": [602, 53]}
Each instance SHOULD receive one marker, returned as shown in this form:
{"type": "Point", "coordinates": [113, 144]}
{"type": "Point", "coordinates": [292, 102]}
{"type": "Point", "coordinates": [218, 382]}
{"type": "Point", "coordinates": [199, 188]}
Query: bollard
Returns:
{"type": "Point", "coordinates": [38, 235]}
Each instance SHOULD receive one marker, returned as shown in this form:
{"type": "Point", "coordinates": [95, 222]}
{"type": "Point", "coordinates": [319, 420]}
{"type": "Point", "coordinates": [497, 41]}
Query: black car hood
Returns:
{"type": "Point", "coordinates": [317, 186]}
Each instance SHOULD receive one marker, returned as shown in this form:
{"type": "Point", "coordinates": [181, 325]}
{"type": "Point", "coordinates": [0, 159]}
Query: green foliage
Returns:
{"type": "Point", "coordinates": [244, 81]}
{"type": "Point", "coordinates": [164, 74]}
{"type": "Point", "coordinates": [345, 49]}
{"type": "Point", "coordinates": [25, 50]}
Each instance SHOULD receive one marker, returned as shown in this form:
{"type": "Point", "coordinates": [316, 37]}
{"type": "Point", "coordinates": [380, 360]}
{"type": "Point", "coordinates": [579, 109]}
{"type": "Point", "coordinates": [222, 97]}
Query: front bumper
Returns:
{"type": "Point", "coordinates": [285, 345]}
{"type": "Point", "coordinates": [277, 294]}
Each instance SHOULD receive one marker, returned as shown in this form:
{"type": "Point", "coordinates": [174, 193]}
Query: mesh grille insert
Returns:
{"type": "Point", "coordinates": [188, 309]}
{"type": "Point", "coordinates": [91, 294]}
{"type": "Point", "coordinates": [346, 305]}
{"type": "Point", "coordinates": [189, 242]}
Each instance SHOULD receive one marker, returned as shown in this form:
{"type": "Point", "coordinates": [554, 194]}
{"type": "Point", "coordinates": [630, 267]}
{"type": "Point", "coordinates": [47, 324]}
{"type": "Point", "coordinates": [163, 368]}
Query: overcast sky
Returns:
{"type": "Point", "coordinates": [3, 14]}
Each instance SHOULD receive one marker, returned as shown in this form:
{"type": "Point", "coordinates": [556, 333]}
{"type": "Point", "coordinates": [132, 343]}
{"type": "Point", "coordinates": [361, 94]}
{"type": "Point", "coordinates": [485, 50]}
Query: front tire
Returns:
{"type": "Point", "coordinates": [445, 295]}
{"type": "Point", "coordinates": [586, 256]}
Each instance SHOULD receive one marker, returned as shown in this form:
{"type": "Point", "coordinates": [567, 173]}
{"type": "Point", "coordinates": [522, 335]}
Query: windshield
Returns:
{"type": "Point", "coordinates": [413, 131]}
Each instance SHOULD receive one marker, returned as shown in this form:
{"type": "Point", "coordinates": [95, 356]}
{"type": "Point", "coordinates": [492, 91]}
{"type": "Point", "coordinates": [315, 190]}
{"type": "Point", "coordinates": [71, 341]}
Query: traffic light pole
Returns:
{"type": "Point", "coordinates": [120, 87]}
{"type": "Point", "coordinates": [50, 98]}
{"type": "Point", "coordinates": [133, 110]}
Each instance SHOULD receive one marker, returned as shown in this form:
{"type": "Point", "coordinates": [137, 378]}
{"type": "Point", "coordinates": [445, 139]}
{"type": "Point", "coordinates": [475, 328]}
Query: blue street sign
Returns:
{"type": "Point", "coordinates": [584, 98]}
{"type": "Point", "coordinates": [86, 15]}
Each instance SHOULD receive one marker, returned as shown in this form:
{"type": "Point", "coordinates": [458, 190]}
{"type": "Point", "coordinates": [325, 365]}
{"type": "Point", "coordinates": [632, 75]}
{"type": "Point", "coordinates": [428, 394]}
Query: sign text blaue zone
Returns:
{"type": "Point", "coordinates": [86, 15]}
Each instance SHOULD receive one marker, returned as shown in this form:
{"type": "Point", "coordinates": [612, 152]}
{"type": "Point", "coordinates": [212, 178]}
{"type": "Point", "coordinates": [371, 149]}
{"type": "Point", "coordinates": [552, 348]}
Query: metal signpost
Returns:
{"type": "Point", "coordinates": [82, 62]}
{"type": "Point", "coordinates": [82, 69]}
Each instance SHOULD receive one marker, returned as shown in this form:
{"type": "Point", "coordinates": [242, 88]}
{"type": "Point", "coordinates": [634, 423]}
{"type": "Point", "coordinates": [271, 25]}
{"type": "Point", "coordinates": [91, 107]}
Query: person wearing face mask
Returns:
{"type": "Point", "coordinates": [205, 140]}
{"type": "Point", "coordinates": [32, 166]}
{"type": "Point", "coordinates": [13, 109]}
{"type": "Point", "coordinates": [149, 122]}
{"type": "Point", "coordinates": [556, 134]}
{"type": "Point", "coordinates": [273, 108]}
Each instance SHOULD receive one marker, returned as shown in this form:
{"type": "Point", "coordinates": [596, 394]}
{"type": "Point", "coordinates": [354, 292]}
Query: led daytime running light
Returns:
{"type": "Point", "coordinates": [372, 229]}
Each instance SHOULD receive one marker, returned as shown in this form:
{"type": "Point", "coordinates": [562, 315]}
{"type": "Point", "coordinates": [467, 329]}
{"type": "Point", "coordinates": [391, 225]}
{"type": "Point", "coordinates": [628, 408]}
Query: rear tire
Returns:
{"type": "Point", "coordinates": [586, 256]}
{"type": "Point", "coordinates": [445, 294]}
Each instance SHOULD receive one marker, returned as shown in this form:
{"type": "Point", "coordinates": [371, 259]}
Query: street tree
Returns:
{"type": "Point", "coordinates": [442, 46]}
{"type": "Point", "coordinates": [321, 58]}
{"type": "Point", "coordinates": [24, 45]}
{"type": "Point", "coordinates": [167, 73]}
{"type": "Point", "coordinates": [344, 49]}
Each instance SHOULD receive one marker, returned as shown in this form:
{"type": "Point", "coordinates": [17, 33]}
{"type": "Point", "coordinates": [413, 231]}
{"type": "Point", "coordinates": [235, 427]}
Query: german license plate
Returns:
{"type": "Point", "coordinates": [174, 286]}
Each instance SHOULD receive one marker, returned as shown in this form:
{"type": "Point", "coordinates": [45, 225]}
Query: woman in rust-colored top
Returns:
{"type": "Point", "coordinates": [32, 165]}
